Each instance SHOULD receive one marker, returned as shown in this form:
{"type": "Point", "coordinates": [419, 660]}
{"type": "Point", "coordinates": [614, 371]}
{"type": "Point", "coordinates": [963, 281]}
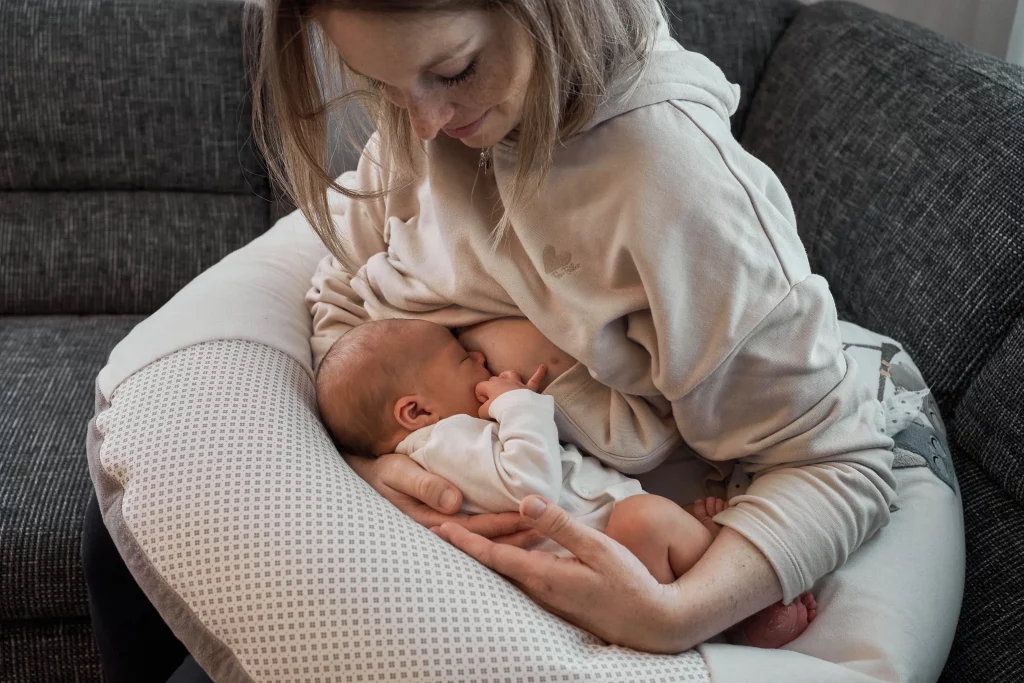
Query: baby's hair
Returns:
{"type": "Point", "coordinates": [358, 382]}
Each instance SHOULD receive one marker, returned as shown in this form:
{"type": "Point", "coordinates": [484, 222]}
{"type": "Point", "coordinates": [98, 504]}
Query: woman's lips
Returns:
{"type": "Point", "coordinates": [466, 131]}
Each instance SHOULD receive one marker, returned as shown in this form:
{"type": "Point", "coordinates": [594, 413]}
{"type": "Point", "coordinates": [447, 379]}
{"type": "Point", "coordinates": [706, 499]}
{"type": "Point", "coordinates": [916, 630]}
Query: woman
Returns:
{"type": "Point", "coordinates": [568, 163]}
{"type": "Point", "coordinates": [612, 208]}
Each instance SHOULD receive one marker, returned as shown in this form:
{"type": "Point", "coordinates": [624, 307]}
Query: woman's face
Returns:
{"type": "Point", "coordinates": [461, 73]}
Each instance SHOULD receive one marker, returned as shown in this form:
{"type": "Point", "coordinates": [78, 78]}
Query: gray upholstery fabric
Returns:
{"type": "Point", "coordinates": [903, 156]}
{"type": "Point", "coordinates": [48, 652]}
{"type": "Point", "coordinates": [737, 36]}
{"type": "Point", "coordinates": [124, 94]}
{"type": "Point", "coordinates": [114, 252]}
{"type": "Point", "coordinates": [47, 369]}
{"type": "Point", "coordinates": [990, 631]}
{"type": "Point", "coordinates": [991, 415]}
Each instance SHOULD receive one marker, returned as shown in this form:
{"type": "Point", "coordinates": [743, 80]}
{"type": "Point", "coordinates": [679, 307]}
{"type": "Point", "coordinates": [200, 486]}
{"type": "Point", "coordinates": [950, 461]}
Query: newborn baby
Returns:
{"type": "Point", "coordinates": [409, 386]}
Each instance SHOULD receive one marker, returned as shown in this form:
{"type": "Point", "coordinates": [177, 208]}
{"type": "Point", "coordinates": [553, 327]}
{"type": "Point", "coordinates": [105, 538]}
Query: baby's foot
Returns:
{"type": "Point", "coordinates": [779, 624]}
{"type": "Point", "coordinates": [703, 509]}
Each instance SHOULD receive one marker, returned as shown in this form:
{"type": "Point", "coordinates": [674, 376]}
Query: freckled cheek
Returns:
{"type": "Point", "coordinates": [491, 91]}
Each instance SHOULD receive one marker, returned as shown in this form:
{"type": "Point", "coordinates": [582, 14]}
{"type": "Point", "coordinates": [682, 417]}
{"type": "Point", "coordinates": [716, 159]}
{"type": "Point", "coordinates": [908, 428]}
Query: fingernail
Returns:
{"type": "Point", "coordinates": [449, 499]}
{"type": "Point", "coordinates": [534, 507]}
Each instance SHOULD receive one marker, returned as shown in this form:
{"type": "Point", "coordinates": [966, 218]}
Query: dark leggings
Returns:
{"type": "Point", "coordinates": [133, 641]}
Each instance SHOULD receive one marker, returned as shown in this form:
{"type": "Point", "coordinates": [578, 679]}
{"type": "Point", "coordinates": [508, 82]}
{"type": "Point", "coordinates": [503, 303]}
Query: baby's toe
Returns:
{"type": "Point", "coordinates": [811, 605]}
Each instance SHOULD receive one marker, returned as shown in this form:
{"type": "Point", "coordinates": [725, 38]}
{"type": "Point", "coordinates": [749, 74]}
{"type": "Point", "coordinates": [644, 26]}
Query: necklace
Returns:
{"type": "Point", "coordinates": [485, 160]}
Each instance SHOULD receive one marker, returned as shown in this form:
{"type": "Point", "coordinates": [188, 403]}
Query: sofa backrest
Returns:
{"type": "Point", "coordinates": [903, 155]}
{"type": "Point", "coordinates": [125, 163]}
{"type": "Point", "coordinates": [737, 36]}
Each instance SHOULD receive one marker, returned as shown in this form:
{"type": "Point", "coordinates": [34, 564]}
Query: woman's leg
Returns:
{"type": "Point", "coordinates": [133, 641]}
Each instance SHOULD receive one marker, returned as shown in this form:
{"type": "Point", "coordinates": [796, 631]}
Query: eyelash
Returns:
{"type": "Point", "coordinates": [448, 82]}
{"type": "Point", "coordinates": [459, 78]}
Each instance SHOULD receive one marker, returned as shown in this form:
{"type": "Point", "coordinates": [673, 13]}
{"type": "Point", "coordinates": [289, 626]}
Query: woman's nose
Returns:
{"type": "Point", "coordinates": [428, 116]}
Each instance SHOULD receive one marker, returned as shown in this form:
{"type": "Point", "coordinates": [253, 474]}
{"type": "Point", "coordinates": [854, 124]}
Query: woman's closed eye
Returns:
{"type": "Point", "coordinates": [461, 77]}
{"type": "Point", "coordinates": [446, 81]}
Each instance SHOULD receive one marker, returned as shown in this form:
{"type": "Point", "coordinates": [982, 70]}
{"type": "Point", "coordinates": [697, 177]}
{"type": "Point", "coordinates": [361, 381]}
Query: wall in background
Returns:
{"type": "Point", "coordinates": [1015, 50]}
{"type": "Point", "coordinates": [992, 26]}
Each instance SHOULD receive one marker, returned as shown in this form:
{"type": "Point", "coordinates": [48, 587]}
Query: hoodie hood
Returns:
{"type": "Point", "coordinates": [673, 73]}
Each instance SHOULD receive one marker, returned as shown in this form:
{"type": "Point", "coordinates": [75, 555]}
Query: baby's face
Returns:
{"type": "Point", "coordinates": [451, 373]}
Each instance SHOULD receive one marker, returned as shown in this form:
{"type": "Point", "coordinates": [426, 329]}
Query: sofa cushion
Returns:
{"type": "Point", "coordinates": [114, 252]}
{"type": "Point", "coordinates": [47, 371]}
{"type": "Point", "coordinates": [737, 36]}
{"type": "Point", "coordinates": [124, 94]}
{"type": "Point", "coordinates": [126, 164]}
{"type": "Point", "coordinates": [990, 418]}
{"type": "Point", "coordinates": [903, 156]}
{"type": "Point", "coordinates": [990, 630]}
{"type": "Point", "coordinates": [50, 651]}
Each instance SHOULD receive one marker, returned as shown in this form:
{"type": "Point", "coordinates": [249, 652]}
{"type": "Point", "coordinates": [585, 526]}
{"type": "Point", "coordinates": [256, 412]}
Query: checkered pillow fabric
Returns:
{"type": "Point", "coordinates": [273, 561]}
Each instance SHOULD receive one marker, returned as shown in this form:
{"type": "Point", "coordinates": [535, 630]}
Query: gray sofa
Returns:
{"type": "Point", "coordinates": [125, 170]}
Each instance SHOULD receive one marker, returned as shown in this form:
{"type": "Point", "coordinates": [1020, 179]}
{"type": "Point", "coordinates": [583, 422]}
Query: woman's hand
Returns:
{"type": "Point", "coordinates": [431, 500]}
{"type": "Point", "coordinates": [515, 345]}
{"type": "Point", "coordinates": [607, 591]}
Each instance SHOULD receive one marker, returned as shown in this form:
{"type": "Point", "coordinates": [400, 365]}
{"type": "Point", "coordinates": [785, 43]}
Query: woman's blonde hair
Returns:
{"type": "Point", "coordinates": [581, 47]}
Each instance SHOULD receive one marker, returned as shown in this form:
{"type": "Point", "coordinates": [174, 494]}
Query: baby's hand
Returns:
{"type": "Point", "coordinates": [487, 391]}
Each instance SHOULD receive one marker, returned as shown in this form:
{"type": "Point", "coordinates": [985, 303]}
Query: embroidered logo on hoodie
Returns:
{"type": "Point", "coordinates": [558, 264]}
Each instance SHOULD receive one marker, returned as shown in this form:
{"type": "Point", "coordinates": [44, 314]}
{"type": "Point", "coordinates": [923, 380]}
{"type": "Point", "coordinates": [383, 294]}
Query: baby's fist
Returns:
{"type": "Point", "coordinates": [508, 381]}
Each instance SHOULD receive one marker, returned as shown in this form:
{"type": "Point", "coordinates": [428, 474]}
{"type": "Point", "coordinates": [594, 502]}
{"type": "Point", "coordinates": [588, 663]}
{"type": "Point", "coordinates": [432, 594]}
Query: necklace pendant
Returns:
{"type": "Point", "coordinates": [485, 160]}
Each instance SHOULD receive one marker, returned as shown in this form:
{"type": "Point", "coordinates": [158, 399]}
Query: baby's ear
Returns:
{"type": "Point", "coordinates": [411, 413]}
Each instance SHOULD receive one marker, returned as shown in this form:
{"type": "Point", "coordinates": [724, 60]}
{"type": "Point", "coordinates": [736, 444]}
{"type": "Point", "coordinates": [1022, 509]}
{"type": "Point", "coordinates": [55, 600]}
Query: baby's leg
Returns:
{"type": "Point", "coordinates": [666, 538]}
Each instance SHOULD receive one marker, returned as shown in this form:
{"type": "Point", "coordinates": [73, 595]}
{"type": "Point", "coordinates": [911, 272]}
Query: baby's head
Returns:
{"type": "Point", "coordinates": [385, 379]}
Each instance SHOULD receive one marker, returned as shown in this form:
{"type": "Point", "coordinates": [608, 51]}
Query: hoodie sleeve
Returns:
{"type": "Point", "coordinates": [334, 305]}
{"type": "Point", "coordinates": [633, 434]}
{"type": "Point", "coordinates": [756, 372]}
{"type": "Point", "coordinates": [787, 404]}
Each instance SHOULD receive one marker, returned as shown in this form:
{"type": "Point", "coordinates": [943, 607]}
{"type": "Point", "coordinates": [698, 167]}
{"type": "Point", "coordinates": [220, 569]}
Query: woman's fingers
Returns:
{"type": "Point", "coordinates": [526, 539]}
{"type": "Point", "coordinates": [492, 525]}
{"type": "Point", "coordinates": [515, 563]}
{"type": "Point", "coordinates": [589, 545]}
{"type": "Point", "coordinates": [402, 474]}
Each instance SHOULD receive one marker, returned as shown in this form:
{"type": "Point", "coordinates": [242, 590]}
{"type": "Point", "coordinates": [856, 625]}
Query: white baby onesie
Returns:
{"type": "Point", "coordinates": [497, 464]}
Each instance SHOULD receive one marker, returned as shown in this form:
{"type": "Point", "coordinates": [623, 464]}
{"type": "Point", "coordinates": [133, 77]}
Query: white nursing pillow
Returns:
{"type": "Point", "coordinates": [266, 555]}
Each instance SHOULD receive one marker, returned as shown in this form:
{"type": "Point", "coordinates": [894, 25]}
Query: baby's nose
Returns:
{"type": "Point", "coordinates": [477, 357]}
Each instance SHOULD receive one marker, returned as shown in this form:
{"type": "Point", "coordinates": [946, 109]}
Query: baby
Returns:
{"type": "Point", "coordinates": [409, 386]}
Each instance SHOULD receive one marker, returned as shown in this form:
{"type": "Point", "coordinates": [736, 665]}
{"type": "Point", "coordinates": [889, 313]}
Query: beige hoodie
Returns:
{"type": "Point", "coordinates": [666, 259]}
